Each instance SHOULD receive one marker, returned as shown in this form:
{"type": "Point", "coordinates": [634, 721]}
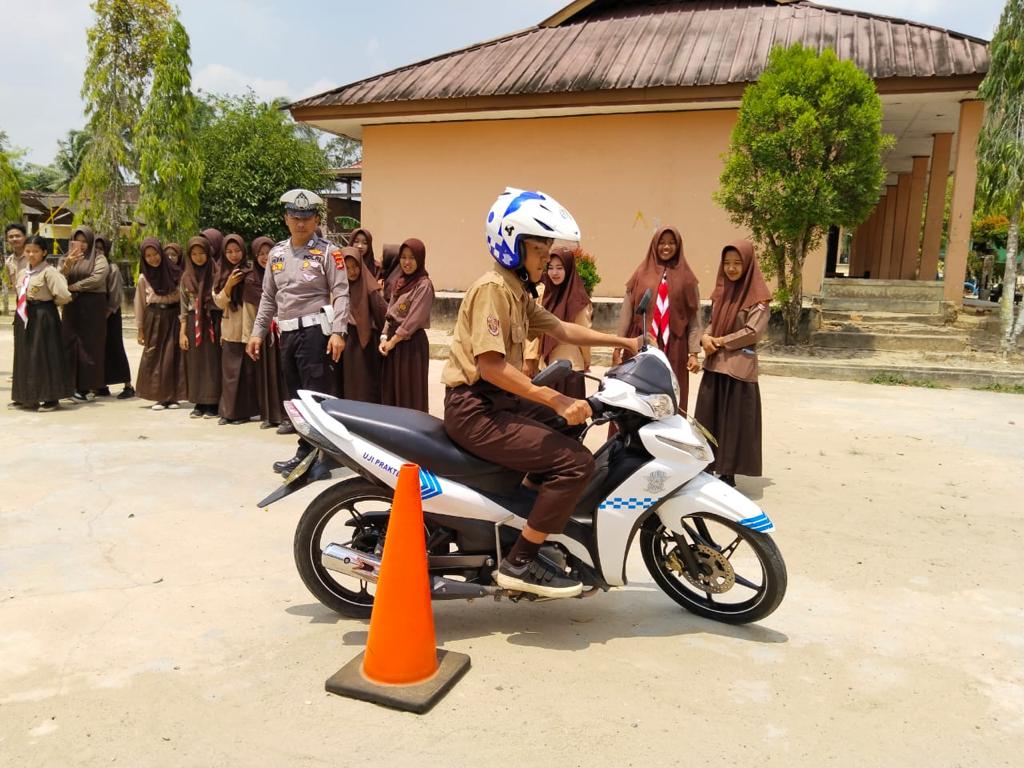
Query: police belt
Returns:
{"type": "Point", "coordinates": [306, 321]}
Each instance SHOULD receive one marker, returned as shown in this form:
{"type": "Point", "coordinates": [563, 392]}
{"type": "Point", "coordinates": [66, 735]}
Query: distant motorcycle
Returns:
{"type": "Point", "coordinates": [704, 543]}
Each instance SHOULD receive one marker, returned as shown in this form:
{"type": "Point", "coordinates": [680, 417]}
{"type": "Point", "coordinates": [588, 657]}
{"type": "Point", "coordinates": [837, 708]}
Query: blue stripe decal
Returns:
{"type": "Point", "coordinates": [757, 523]}
{"type": "Point", "coordinates": [430, 486]}
{"type": "Point", "coordinates": [615, 502]}
{"type": "Point", "coordinates": [761, 527]}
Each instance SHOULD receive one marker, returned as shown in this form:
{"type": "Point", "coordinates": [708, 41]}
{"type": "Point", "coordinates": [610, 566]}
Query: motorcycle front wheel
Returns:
{"type": "Point", "coordinates": [741, 575]}
{"type": "Point", "coordinates": [353, 513]}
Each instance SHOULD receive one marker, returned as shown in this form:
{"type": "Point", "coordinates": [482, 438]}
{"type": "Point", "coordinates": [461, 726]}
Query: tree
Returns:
{"type": "Point", "coordinates": [343, 152]}
{"type": "Point", "coordinates": [10, 204]}
{"type": "Point", "coordinates": [42, 178]}
{"type": "Point", "coordinates": [805, 154]}
{"type": "Point", "coordinates": [1001, 150]}
{"type": "Point", "coordinates": [123, 44]}
{"type": "Point", "coordinates": [251, 154]}
{"type": "Point", "coordinates": [169, 167]}
{"type": "Point", "coordinates": [70, 151]}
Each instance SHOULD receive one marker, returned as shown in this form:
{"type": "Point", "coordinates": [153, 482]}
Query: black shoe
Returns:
{"type": "Point", "coordinates": [49, 405]}
{"type": "Point", "coordinates": [127, 393]}
{"type": "Point", "coordinates": [80, 397]}
{"type": "Point", "coordinates": [266, 425]}
{"type": "Point", "coordinates": [102, 392]}
{"type": "Point", "coordinates": [221, 421]}
{"type": "Point", "coordinates": [286, 467]}
{"type": "Point", "coordinates": [197, 413]}
{"type": "Point", "coordinates": [286, 428]}
{"type": "Point", "coordinates": [538, 577]}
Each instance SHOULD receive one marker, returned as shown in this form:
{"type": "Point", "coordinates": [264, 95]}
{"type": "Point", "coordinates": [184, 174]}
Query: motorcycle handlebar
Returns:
{"type": "Point", "coordinates": [597, 408]}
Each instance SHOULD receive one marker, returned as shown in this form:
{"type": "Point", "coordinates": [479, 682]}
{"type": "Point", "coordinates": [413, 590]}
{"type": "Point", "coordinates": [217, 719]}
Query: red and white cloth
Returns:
{"type": "Point", "coordinates": [22, 308]}
{"type": "Point", "coordinates": [659, 320]}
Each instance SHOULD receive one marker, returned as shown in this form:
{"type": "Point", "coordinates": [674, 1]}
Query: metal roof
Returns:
{"type": "Point", "coordinates": [609, 45]}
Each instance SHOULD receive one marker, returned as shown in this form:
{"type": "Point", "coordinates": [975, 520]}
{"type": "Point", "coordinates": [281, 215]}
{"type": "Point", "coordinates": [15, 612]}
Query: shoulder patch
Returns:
{"type": "Point", "coordinates": [493, 326]}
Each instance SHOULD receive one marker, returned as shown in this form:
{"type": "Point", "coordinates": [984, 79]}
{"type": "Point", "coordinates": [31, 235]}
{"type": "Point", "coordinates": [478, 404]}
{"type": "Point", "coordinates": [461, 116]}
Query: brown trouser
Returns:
{"type": "Point", "coordinates": [505, 430]}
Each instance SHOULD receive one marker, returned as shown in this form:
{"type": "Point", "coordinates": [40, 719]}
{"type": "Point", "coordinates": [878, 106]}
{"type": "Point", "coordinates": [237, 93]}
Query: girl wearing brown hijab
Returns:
{"type": "Point", "coordinates": [361, 360]}
{"type": "Point", "coordinates": [115, 361]}
{"type": "Point", "coordinates": [403, 341]}
{"type": "Point", "coordinates": [673, 315]}
{"type": "Point", "coordinates": [362, 241]}
{"type": "Point", "coordinates": [729, 400]}
{"type": "Point", "coordinates": [564, 295]}
{"type": "Point", "coordinates": [84, 325]}
{"type": "Point", "coordinates": [200, 333]}
{"type": "Point", "coordinates": [389, 271]}
{"type": "Point", "coordinates": [238, 399]}
{"type": "Point", "coordinates": [269, 378]}
{"type": "Point", "coordinates": [173, 252]}
{"type": "Point", "coordinates": [161, 376]}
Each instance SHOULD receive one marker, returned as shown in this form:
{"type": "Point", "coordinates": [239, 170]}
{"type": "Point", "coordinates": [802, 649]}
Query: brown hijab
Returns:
{"type": "Point", "coordinates": [223, 269]}
{"type": "Point", "coordinates": [363, 312]}
{"type": "Point", "coordinates": [216, 240]}
{"type": "Point", "coordinates": [369, 262]}
{"type": "Point", "coordinates": [406, 283]}
{"type": "Point", "coordinates": [566, 300]}
{"type": "Point", "coordinates": [199, 282]}
{"type": "Point", "coordinates": [83, 268]}
{"type": "Point", "coordinates": [177, 250]}
{"type": "Point", "coordinates": [254, 278]}
{"type": "Point", "coordinates": [163, 279]}
{"type": "Point", "coordinates": [683, 298]}
{"type": "Point", "coordinates": [730, 297]}
{"type": "Point", "coordinates": [389, 270]}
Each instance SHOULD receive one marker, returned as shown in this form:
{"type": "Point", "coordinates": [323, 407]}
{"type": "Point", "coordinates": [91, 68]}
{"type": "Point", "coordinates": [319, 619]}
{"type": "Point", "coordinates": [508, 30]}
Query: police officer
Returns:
{"type": "Point", "coordinates": [306, 288]}
{"type": "Point", "coordinates": [493, 410]}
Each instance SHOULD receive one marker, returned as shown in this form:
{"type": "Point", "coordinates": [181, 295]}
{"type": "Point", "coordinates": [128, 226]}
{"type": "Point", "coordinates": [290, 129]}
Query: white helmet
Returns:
{"type": "Point", "coordinates": [517, 213]}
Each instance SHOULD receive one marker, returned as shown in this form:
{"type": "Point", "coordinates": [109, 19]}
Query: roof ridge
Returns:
{"type": "Point", "coordinates": [897, 19]}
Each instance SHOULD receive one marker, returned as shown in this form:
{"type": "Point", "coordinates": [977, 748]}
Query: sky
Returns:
{"type": "Point", "coordinates": [283, 48]}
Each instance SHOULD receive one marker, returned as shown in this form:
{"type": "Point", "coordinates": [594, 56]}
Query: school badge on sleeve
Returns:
{"type": "Point", "coordinates": [493, 326]}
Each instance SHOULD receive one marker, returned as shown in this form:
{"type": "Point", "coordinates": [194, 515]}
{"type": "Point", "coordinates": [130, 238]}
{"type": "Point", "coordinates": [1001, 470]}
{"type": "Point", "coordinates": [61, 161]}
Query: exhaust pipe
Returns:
{"type": "Point", "coordinates": [359, 565]}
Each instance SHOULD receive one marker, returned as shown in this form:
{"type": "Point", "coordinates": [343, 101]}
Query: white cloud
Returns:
{"type": "Point", "coordinates": [220, 78]}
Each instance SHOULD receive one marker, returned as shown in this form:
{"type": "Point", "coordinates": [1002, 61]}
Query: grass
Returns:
{"type": "Point", "coordinates": [1011, 389]}
{"type": "Point", "coordinates": [899, 380]}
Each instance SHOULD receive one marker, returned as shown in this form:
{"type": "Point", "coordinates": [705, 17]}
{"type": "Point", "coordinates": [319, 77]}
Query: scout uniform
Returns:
{"type": "Point", "coordinates": [497, 315]}
{"type": "Point", "coordinates": [40, 365]}
{"type": "Point", "coordinates": [306, 288]}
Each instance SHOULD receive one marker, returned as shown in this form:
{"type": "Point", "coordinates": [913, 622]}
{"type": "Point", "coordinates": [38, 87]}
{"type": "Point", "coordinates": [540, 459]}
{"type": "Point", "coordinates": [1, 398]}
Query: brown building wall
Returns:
{"type": "Point", "coordinates": [621, 176]}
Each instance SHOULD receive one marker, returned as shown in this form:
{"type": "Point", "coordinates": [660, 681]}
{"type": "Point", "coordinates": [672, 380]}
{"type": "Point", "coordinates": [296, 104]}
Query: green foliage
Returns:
{"type": "Point", "coordinates": [343, 152]}
{"type": "Point", "coordinates": [899, 380]}
{"type": "Point", "coordinates": [170, 171]}
{"type": "Point", "coordinates": [346, 223]}
{"type": "Point", "coordinates": [586, 267]}
{"type": "Point", "coordinates": [10, 190]}
{"type": "Point", "coordinates": [805, 154]}
{"type": "Point", "coordinates": [989, 233]}
{"type": "Point", "coordinates": [70, 152]}
{"type": "Point", "coordinates": [123, 44]}
{"type": "Point", "coordinates": [251, 154]}
{"type": "Point", "coordinates": [41, 178]}
{"type": "Point", "coordinates": [1009, 389]}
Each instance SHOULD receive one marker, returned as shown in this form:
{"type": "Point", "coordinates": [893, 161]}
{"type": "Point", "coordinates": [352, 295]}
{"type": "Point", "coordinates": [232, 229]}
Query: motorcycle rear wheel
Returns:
{"type": "Point", "coordinates": [356, 496]}
{"type": "Point", "coordinates": [659, 548]}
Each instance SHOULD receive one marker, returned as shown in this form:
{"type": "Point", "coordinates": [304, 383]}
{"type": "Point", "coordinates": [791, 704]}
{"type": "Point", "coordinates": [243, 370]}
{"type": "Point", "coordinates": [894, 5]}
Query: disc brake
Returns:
{"type": "Point", "coordinates": [716, 573]}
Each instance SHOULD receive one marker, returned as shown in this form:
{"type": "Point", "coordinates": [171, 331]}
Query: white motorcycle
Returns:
{"type": "Point", "coordinates": [703, 542]}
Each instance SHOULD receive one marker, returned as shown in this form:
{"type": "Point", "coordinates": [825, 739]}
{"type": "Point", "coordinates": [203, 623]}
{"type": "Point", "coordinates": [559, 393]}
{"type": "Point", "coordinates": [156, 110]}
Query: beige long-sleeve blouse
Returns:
{"type": "Point", "coordinates": [738, 355]}
{"type": "Point", "coordinates": [45, 283]}
{"type": "Point", "coordinates": [236, 324]}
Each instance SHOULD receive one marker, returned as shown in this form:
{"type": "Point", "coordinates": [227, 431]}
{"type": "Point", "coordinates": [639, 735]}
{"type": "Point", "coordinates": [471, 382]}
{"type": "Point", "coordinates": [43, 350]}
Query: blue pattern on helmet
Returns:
{"type": "Point", "coordinates": [520, 199]}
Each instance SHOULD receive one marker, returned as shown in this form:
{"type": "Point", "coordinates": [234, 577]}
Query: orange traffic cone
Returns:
{"type": "Point", "coordinates": [401, 666]}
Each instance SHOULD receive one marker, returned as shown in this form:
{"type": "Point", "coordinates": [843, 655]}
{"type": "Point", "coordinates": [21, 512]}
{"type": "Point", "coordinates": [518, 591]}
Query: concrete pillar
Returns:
{"type": "Point", "coordinates": [942, 146]}
{"type": "Point", "coordinates": [912, 239]}
{"type": "Point", "coordinates": [961, 209]}
{"type": "Point", "coordinates": [899, 229]}
{"type": "Point", "coordinates": [885, 266]}
{"type": "Point", "coordinates": [878, 260]}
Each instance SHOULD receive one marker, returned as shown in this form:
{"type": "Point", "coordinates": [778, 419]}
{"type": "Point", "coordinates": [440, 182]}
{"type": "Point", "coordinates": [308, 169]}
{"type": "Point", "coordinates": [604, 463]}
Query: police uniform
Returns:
{"type": "Point", "coordinates": [497, 315]}
{"type": "Point", "coordinates": [306, 288]}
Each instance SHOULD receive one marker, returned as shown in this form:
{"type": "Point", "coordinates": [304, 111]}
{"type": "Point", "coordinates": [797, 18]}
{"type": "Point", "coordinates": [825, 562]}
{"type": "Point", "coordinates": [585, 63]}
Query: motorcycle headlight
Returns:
{"type": "Point", "coordinates": [699, 452]}
{"type": "Point", "coordinates": [661, 405]}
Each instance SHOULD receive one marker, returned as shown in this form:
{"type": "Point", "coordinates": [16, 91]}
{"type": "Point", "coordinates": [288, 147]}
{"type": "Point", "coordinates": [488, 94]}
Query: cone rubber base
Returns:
{"type": "Point", "coordinates": [418, 698]}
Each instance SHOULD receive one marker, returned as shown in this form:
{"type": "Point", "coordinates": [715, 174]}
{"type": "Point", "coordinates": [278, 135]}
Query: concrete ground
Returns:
{"type": "Point", "coordinates": [151, 615]}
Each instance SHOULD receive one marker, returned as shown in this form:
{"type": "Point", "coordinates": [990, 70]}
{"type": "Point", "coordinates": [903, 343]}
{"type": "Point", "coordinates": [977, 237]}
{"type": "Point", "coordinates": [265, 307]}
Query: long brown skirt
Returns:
{"type": "Point", "coordinates": [238, 398]}
{"type": "Point", "coordinates": [270, 382]}
{"type": "Point", "coordinates": [84, 330]}
{"type": "Point", "coordinates": [115, 361]}
{"type": "Point", "coordinates": [202, 364]}
{"type": "Point", "coordinates": [161, 375]}
{"type": "Point", "coordinates": [731, 410]}
{"type": "Point", "coordinates": [360, 369]}
{"type": "Point", "coordinates": [404, 374]}
{"type": "Point", "coordinates": [40, 363]}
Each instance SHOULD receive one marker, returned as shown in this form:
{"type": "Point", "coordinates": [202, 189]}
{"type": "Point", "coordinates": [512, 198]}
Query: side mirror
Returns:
{"type": "Point", "coordinates": [645, 300]}
{"type": "Point", "coordinates": [553, 374]}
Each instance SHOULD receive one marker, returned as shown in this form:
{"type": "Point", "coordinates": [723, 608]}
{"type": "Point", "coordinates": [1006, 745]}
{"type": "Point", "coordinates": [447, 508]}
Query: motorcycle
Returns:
{"type": "Point", "coordinates": [704, 543]}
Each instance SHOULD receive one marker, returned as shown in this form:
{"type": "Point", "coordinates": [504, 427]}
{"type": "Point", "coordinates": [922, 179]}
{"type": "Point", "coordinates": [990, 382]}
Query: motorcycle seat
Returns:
{"type": "Point", "coordinates": [421, 439]}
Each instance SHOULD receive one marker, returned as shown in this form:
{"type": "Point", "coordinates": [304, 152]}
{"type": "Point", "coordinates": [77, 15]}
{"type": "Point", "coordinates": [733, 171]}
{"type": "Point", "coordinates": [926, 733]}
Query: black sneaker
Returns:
{"type": "Point", "coordinates": [196, 413]}
{"type": "Point", "coordinates": [81, 397]}
{"type": "Point", "coordinates": [49, 405]}
{"type": "Point", "coordinates": [222, 421]}
{"type": "Point", "coordinates": [102, 392]}
{"type": "Point", "coordinates": [127, 393]}
{"type": "Point", "coordinates": [538, 577]}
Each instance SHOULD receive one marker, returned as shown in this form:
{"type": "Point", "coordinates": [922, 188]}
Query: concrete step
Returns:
{"type": "Point", "coordinates": [888, 342]}
{"type": "Point", "coordinates": [883, 304]}
{"type": "Point", "coordinates": [865, 319]}
{"type": "Point", "coordinates": [891, 329]}
{"type": "Point", "coordinates": [865, 371]}
{"type": "Point", "coordinates": [907, 290]}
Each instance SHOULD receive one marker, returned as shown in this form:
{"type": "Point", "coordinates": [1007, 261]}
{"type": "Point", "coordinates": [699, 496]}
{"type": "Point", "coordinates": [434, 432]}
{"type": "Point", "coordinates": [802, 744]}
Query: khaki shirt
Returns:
{"type": "Point", "coordinates": [45, 283]}
{"type": "Point", "coordinates": [497, 315]}
{"type": "Point", "coordinates": [236, 324]}
{"type": "Point", "coordinates": [738, 355]}
{"type": "Point", "coordinates": [300, 281]}
{"type": "Point", "coordinates": [14, 265]}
